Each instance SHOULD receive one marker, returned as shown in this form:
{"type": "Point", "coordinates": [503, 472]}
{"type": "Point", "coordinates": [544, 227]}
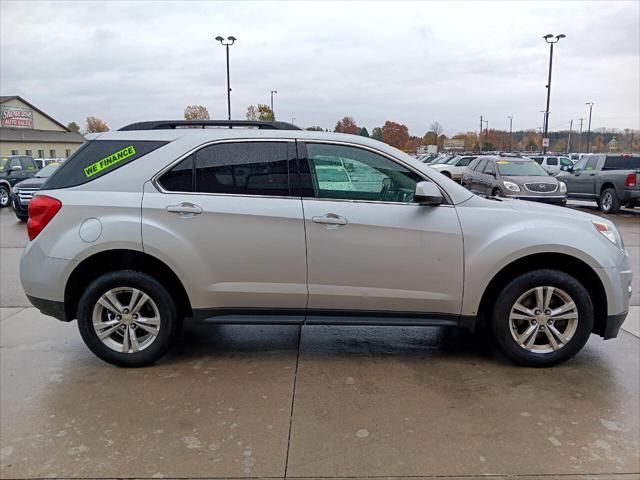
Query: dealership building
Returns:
{"type": "Point", "coordinates": [27, 130]}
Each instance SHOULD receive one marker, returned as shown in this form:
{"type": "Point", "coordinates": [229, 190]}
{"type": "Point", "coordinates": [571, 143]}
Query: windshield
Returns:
{"type": "Point", "coordinates": [524, 169]}
{"type": "Point", "coordinates": [453, 161]}
{"type": "Point", "coordinates": [3, 162]}
{"type": "Point", "coordinates": [48, 170]}
{"type": "Point", "coordinates": [441, 161]}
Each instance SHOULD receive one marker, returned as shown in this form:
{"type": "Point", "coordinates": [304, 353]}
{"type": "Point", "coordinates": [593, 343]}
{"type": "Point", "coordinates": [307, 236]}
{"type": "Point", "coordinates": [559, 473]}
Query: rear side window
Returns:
{"type": "Point", "coordinates": [97, 158]}
{"type": "Point", "coordinates": [553, 161]}
{"type": "Point", "coordinates": [619, 162]}
{"type": "Point", "coordinates": [240, 168]}
{"type": "Point", "coordinates": [489, 168]}
{"type": "Point", "coordinates": [480, 165]}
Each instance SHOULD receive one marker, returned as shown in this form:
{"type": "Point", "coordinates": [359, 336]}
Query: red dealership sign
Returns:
{"type": "Point", "coordinates": [16, 117]}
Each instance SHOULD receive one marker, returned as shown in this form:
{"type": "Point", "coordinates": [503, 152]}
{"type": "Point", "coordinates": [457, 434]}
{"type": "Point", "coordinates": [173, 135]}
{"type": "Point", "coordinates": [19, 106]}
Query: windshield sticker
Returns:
{"type": "Point", "coordinates": [502, 162]}
{"type": "Point", "coordinates": [107, 162]}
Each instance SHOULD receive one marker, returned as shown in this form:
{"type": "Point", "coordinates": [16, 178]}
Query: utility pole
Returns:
{"type": "Point", "coordinates": [510, 130]}
{"type": "Point", "coordinates": [589, 127]}
{"type": "Point", "coordinates": [569, 141]}
{"type": "Point", "coordinates": [480, 138]}
{"type": "Point", "coordinates": [272, 111]}
{"type": "Point", "coordinates": [631, 146]}
{"type": "Point", "coordinates": [580, 137]}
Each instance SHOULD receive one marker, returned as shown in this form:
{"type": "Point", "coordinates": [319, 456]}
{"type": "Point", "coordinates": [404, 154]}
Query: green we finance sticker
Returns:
{"type": "Point", "coordinates": [112, 159]}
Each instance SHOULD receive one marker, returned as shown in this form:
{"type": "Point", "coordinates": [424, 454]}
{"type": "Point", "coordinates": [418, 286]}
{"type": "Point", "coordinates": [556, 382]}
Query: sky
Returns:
{"type": "Point", "coordinates": [409, 62]}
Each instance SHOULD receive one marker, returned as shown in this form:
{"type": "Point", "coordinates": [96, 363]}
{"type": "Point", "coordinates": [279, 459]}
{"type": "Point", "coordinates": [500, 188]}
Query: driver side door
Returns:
{"type": "Point", "coordinates": [370, 247]}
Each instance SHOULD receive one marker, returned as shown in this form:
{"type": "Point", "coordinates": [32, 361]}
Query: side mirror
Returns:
{"type": "Point", "coordinates": [15, 168]}
{"type": "Point", "coordinates": [427, 193]}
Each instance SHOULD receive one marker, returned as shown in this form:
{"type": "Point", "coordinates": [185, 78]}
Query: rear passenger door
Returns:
{"type": "Point", "coordinates": [225, 220]}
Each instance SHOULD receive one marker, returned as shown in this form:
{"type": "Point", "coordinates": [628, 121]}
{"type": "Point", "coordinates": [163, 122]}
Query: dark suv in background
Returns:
{"type": "Point", "coordinates": [514, 177]}
{"type": "Point", "coordinates": [14, 169]}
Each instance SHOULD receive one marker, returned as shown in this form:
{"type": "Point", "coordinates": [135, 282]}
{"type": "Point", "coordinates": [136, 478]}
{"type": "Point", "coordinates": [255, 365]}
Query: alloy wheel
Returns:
{"type": "Point", "coordinates": [607, 201]}
{"type": "Point", "coordinates": [4, 197]}
{"type": "Point", "coordinates": [543, 319]}
{"type": "Point", "coordinates": [126, 319]}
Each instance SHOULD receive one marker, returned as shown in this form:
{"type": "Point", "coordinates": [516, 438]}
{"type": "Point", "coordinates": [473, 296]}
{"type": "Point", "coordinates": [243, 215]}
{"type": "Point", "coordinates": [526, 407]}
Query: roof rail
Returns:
{"type": "Point", "coordinates": [173, 124]}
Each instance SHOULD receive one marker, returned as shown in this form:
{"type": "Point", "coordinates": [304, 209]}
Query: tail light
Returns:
{"type": "Point", "coordinates": [41, 210]}
{"type": "Point", "coordinates": [630, 182]}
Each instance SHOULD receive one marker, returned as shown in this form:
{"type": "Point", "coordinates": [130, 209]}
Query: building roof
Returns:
{"type": "Point", "coordinates": [36, 136]}
{"type": "Point", "coordinates": [6, 98]}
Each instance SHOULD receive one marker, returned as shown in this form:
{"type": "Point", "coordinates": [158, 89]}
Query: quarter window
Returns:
{"type": "Point", "coordinates": [350, 173]}
{"type": "Point", "coordinates": [180, 177]}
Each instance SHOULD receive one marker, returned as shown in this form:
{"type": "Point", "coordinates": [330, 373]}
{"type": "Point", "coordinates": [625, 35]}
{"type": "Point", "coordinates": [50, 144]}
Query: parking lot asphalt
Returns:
{"type": "Point", "coordinates": [311, 402]}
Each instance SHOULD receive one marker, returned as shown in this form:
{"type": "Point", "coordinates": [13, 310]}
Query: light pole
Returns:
{"type": "Point", "coordinates": [551, 40]}
{"type": "Point", "coordinates": [228, 42]}
{"type": "Point", "coordinates": [510, 130]}
{"type": "Point", "coordinates": [589, 127]}
{"type": "Point", "coordinates": [272, 112]}
{"type": "Point", "coordinates": [486, 131]}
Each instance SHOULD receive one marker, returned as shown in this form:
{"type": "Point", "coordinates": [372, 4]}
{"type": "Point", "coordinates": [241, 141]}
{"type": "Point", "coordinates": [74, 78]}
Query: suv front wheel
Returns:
{"type": "Point", "coordinates": [542, 318]}
{"type": "Point", "coordinates": [127, 318]}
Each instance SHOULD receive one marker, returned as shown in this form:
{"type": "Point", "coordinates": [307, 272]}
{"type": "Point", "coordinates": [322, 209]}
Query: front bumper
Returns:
{"type": "Point", "coordinates": [18, 207]}
{"type": "Point", "coordinates": [553, 200]}
{"type": "Point", "coordinates": [617, 283]}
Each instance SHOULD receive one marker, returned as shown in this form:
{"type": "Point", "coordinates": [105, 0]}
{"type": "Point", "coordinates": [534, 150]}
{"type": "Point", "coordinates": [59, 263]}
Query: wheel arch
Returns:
{"type": "Point", "coordinates": [571, 265]}
{"type": "Point", "coordinates": [606, 185]}
{"type": "Point", "coordinates": [106, 261]}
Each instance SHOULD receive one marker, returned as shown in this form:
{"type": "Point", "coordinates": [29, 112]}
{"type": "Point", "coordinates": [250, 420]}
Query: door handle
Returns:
{"type": "Point", "coordinates": [330, 219]}
{"type": "Point", "coordinates": [185, 209]}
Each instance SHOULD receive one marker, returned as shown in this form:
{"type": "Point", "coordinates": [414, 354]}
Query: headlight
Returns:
{"type": "Point", "coordinates": [563, 187]}
{"type": "Point", "coordinates": [511, 186]}
{"type": "Point", "coordinates": [610, 232]}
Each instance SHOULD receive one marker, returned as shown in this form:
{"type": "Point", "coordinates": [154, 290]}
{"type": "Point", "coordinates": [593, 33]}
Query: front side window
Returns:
{"type": "Point", "coordinates": [565, 162]}
{"type": "Point", "coordinates": [480, 165]}
{"type": "Point", "coordinates": [28, 164]}
{"type": "Point", "coordinates": [14, 162]}
{"type": "Point", "coordinates": [591, 163]}
{"type": "Point", "coordinates": [351, 173]}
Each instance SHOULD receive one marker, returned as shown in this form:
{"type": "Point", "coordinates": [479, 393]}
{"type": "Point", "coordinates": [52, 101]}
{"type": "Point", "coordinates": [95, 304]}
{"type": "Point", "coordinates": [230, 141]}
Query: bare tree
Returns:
{"type": "Point", "coordinates": [436, 128]}
{"type": "Point", "coordinates": [196, 112]}
{"type": "Point", "coordinates": [94, 125]}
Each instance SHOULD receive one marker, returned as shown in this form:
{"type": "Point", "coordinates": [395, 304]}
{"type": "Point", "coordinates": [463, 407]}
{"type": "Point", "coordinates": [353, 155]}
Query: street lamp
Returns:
{"type": "Point", "coordinates": [510, 130]}
{"type": "Point", "coordinates": [589, 127]}
{"type": "Point", "coordinates": [272, 112]}
{"type": "Point", "coordinates": [226, 43]}
{"type": "Point", "coordinates": [551, 40]}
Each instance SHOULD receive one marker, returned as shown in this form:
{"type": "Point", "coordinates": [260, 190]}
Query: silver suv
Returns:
{"type": "Point", "coordinates": [156, 222]}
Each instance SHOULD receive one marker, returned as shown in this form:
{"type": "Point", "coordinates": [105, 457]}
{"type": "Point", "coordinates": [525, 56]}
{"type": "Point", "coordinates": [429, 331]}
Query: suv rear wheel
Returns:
{"type": "Point", "coordinates": [127, 318]}
{"type": "Point", "coordinates": [542, 318]}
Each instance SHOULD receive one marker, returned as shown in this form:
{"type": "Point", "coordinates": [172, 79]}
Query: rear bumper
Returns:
{"type": "Point", "coordinates": [630, 195]}
{"type": "Point", "coordinates": [19, 208]}
{"type": "Point", "coordinates": [49, 307]}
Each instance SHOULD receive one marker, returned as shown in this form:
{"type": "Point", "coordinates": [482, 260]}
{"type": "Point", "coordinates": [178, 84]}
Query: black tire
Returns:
{"type": "Point", "coordinates": [5, 196]}
{"type": "Point", "coordinates": [168, 331]}
{"type": "Point", "coordinates": [609, 201]}
{"type": "Point", "coordinates": [497, 193]}
{"type": "Point", "coordinates": [22, 218]}
{"type": "Point", "coordinates": [500, 324]}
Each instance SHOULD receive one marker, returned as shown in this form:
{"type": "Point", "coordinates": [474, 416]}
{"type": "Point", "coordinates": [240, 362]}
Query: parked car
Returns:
{"type": "Point", "coordinates": [513, 177]}
{"type": "Point", "coordinates": [24, 190]}
{"type": "Point", "coordinates": [553, 163]}
{"type": "Point", "coordinates": [14, 169]}
{"type": "Point", "coordinates": [454, 167]}
{"type": "Point", "coordinates": [442, 158]}
{"type": "Point", "coordinates": [152, 223]}
{"type": "Point", "coordinates": [611, 180]}
{"type": "Point", "coordinates": [43, 162]}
